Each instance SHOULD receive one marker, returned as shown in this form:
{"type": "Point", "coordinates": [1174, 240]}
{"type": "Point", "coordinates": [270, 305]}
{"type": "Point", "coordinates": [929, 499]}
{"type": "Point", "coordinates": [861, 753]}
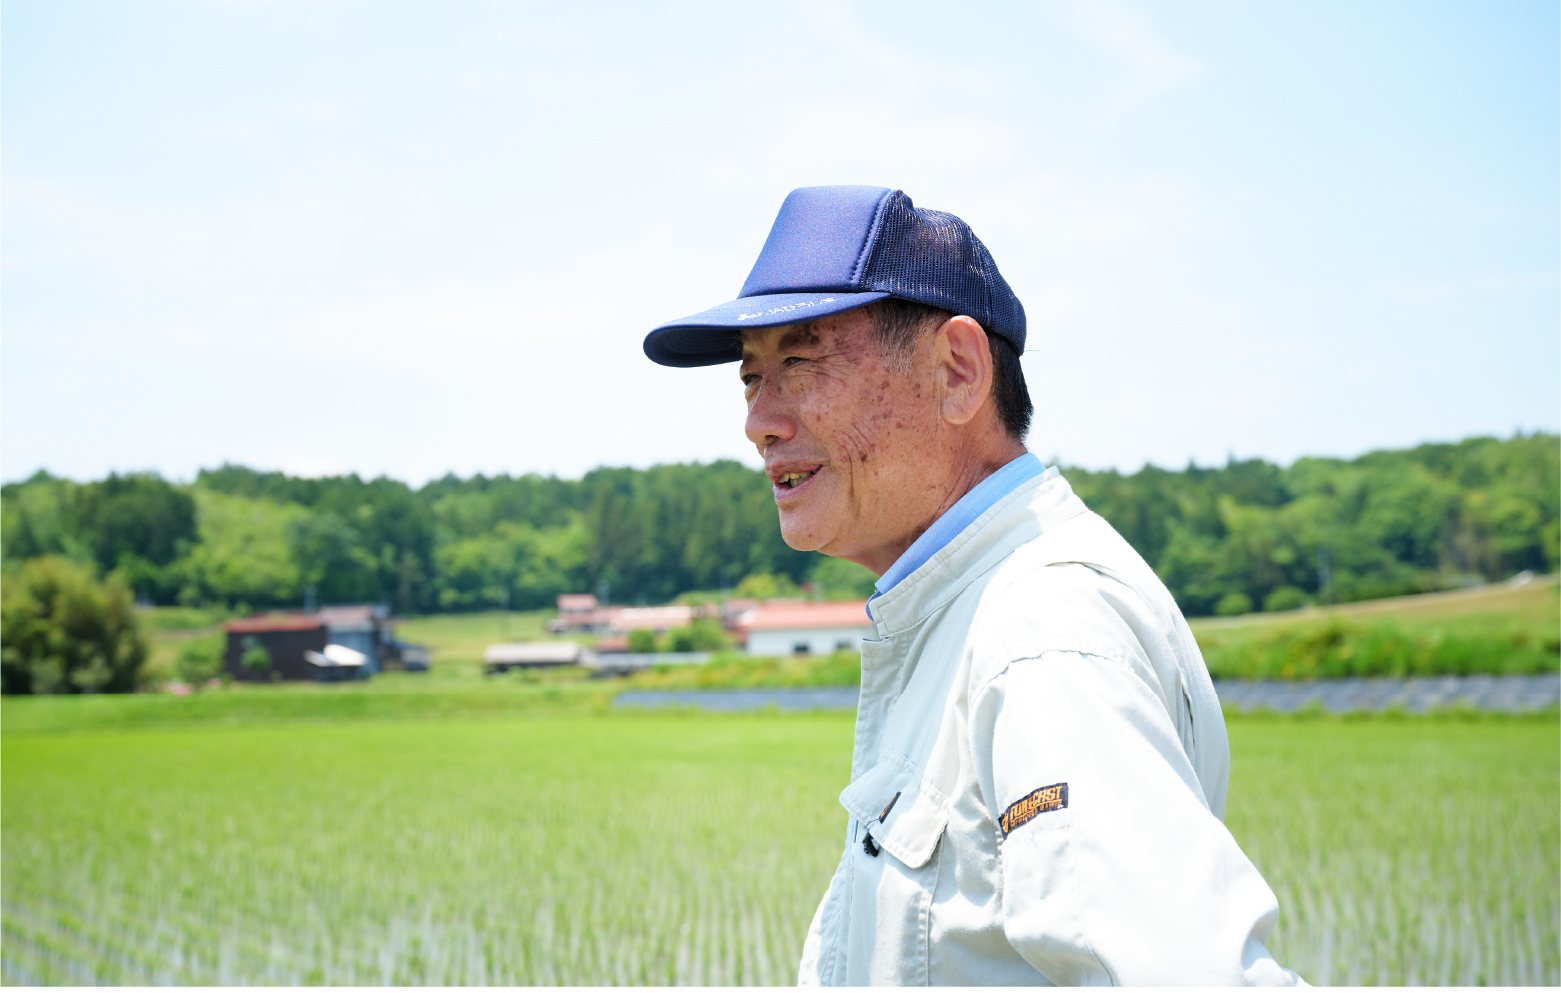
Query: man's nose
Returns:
{"type": "Point", "coordinates": [770, 419]}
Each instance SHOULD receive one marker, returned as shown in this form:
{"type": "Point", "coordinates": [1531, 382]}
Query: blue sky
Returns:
{"type": "Point", "coordinates": [417, 238]}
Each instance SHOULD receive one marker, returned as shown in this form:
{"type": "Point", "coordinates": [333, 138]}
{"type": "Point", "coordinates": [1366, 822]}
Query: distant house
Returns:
{"type": "Point", "coordinates": [622, 620]}
{"type": "Point", "coordinates": [364, 628]}
{"type": "Point", "coordinates": [299, 645]}
{"type": "Point", "coordinates": [534, 655]}
{"type": "Point", "coordinates": [579, 613]}
{"type": "Point", "coordinates": [803, 628]}
{"type": "Point", "coordinates": [286, 639]}
{"type": "Point", "coordinates": [336, 663]}
{"type": "Point", "coordinates": [577, 608]}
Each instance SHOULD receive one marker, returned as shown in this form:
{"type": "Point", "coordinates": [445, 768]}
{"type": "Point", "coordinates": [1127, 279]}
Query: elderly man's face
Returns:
{"type": "Point", "coordinates": [852, 449]}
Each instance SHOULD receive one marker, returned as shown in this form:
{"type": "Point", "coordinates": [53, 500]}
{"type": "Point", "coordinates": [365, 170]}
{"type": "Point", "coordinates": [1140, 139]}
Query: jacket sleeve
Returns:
{"type": "Point", "coordinates": [811, 970]}
{"type": "Point", "coordinates": [807, 970]}
{"type": "Point", "coordinates": [1133, 881]}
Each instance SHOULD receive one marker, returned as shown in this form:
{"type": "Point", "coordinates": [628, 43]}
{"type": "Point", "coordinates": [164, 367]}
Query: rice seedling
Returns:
{"type": "Point", "coordinates": [550, 851]}
{"type": "Point", "coordinates": [684, 849]}
{"type": "Point", "coordinates": [1406, 852]}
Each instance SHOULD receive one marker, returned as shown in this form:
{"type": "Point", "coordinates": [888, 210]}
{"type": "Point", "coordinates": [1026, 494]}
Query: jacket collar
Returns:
{"type": "Point", "coordinates": [1035, 505]}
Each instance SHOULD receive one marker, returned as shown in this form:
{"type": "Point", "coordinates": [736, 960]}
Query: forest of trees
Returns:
{"type": "Point", "coordinates": [1248, 535]}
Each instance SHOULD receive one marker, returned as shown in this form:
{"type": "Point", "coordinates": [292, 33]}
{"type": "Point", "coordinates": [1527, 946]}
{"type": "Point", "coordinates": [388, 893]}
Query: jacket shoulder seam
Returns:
{"type": "Point", "coordinates": [1006, 665]}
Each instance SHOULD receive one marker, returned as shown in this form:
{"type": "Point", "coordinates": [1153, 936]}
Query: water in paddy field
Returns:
{"type": "Point", "coordinates": [539, 852]}
{"type": "Point", "coordinates": [688, 850]}
{"type": "Point", "coordinates": [1406, 853]}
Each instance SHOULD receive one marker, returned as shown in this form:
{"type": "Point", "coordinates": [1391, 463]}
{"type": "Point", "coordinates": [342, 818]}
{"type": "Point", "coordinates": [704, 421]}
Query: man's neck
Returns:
{"type": "Point", "coordinates": [973, 465]}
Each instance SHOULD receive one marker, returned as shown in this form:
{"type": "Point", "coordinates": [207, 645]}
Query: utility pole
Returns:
{"type": "Point", "coordinates": [1324, 574]}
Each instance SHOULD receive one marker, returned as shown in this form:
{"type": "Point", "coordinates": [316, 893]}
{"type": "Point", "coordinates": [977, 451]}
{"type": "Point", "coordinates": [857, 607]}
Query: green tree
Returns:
{"type": "Point", "coordinates": [245, 553]}
{"type": "Point", "coordinates": [1285, 598]}
{"type": "Point", "coordinates": [706, 635]}
{"type": "Point", "coordinates": [1232, 604]}
{"type": "Point", "coordinates": [136, 515]}
{"type": "Point", "coordinates": [1387, 522]}
{"type": "Point", "coordinates": [199, 660]}
{"type": "Point", "coordinates": [255, 658]}
{"type": "Point", "coordinates": [837, 579]}
{"type": "Point", "coordinates": [642, 641]}
{"type": "Point", "coordinates": [62, 631]}
{"type": "Point", "coordinates": [766, 586]}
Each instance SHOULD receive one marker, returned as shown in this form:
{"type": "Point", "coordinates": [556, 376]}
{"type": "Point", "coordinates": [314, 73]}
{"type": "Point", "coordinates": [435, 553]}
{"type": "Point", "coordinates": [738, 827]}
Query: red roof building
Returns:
{"type": "Point", "coordinates": [803, 628]}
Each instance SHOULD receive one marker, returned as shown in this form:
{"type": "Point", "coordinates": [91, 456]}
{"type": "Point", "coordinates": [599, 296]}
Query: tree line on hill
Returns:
{"type": "Point", "coordinates": [1248, 535]}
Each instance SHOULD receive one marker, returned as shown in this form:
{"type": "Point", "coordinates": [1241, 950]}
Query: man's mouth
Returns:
{"type": "Point", "coordinates": [792, 479]}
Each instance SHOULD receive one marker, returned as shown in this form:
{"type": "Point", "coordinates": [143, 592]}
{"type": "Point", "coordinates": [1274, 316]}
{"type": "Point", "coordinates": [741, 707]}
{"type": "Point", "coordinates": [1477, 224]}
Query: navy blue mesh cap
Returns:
{"type": "Point", "coordinates": [836, 248]}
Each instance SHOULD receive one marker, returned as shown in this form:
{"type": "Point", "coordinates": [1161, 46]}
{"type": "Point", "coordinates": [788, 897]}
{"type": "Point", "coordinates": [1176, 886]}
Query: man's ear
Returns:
{"type": "Point", "coordinates": [964, 369]}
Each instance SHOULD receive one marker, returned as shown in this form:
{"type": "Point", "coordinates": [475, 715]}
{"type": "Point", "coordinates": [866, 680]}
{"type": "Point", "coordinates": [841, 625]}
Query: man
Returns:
{"type": "Point", "coordinates": [1040, 761]}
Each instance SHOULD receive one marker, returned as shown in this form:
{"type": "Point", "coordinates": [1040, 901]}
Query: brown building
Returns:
{"type": "Point", "coordinates": [284, 637]}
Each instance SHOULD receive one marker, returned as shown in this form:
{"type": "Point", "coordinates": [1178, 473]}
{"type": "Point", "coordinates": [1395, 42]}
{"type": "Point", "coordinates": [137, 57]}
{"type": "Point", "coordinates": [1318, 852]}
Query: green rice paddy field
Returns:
{"type": "Point", "coordinates": [538, 847]}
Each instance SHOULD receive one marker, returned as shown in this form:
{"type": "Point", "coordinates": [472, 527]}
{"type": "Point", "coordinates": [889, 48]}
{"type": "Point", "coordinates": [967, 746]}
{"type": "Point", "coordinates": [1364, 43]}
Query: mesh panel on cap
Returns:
{"type": "Point", "coordinates": [934, 258]}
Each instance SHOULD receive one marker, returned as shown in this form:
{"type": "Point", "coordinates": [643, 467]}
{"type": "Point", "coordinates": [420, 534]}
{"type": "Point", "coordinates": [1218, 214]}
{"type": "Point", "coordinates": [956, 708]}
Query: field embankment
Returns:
{"type": "Point", "coordinates": [1498, 630]}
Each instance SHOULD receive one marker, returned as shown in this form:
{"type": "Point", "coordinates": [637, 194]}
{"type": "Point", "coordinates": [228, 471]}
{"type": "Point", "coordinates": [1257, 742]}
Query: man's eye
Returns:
{"type": "Point", "coordinates": [750, 379]}
{"type": "Point", "coordinates": [792, 360]}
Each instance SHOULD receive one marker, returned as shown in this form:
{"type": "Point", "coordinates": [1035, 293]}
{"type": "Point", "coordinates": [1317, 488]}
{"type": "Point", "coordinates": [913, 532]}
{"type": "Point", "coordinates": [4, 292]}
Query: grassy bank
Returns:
{"type": "Point", "coordinates": [1499, 630]}
{"type": "Point", "coordinates": [385, 699]}
{"type": "Point", "coordinates": [729, 670]}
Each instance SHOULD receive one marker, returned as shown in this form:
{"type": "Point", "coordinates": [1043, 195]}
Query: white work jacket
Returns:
{"type": "Point", "coordinates": [1039, 776]}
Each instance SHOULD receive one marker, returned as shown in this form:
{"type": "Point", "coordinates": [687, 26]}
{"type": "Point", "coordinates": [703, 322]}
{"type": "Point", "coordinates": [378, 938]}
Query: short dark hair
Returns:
{"type": "Point", "coordinates": [899, 326]}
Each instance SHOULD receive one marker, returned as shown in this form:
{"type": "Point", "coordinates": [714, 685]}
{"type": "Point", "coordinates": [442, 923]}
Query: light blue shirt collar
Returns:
{"type": "Point", "coordinates": [958, 517]}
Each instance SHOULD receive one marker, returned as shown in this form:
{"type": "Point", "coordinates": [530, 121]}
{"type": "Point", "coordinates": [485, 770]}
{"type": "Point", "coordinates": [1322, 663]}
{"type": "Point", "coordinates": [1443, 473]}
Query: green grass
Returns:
{"type": "Point", "coordinates": [457, 641]}
{"type": "Point", "coordinates": [1406, 852]}
{"type": "Point", "coordinates": [1490, 630]}
{"type": "Point", "coordinates": [393, 696]}
{"type": "Point", "coordinates": [729, 670]}
{"type": "Point", "coordinates": [591, 851]}
{"type": "Point", "coordinates": [1533, 608]}
{"type": "Point", "coordinates": [183, 619]}
{"type": "Point", "coordinates": [654, 848]}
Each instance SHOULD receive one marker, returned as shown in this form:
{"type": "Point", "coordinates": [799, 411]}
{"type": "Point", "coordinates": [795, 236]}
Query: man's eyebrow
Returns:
{"type": "Point", "coordinates": [800, 334]}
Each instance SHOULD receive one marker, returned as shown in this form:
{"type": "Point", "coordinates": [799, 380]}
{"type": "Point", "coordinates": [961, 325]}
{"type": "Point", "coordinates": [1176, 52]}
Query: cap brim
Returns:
{"type": "Point", "coordinates": [709, 339]}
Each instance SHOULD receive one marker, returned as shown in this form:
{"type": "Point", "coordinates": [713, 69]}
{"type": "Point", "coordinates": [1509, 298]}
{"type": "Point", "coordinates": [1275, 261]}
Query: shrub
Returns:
{"type": "Point", "coordinates": [65, 632]}
{"type": "Point", "coordinates": [255, 658]}
{"type": "Point", "coordinates": [1285, 598]}
{"type": "Point", "coordinates": [1232, 604]}
{"type": "Point", "coordinates": [1339, 649]}
{"type": "Point", "coordinates": [707, 635]}
{"type": "Point", "coordinates": [837, 579]}
{"type": "Point", "coordinates": [200, 660]}
{"type": "Point", "coordinates": [642, 641]}
{"type": "Point", "coordinates": [766, 586]}
{"type": "Point", "coordinates": [680, 640]}
{"type": "Point", "coordinates": [704, 635]}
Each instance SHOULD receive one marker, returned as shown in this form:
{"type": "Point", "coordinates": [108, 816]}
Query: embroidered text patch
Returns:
{"type": "Point", "coordinates": [1045, 799]}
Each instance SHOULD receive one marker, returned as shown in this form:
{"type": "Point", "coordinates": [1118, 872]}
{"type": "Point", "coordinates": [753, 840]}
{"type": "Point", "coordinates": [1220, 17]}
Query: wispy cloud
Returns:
{"type": "Point", "coordinates": [1435, 291]}
{"type": "Point", "coordinates": [1151, 65]}
{"type": "Point", "coordinates": [892, 66]}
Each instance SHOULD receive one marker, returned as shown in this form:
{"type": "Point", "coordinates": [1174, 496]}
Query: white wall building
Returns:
{"type": "Point", "coordinates": [804, 628]}
{"type": "Point", "coordinates": [534, 654]}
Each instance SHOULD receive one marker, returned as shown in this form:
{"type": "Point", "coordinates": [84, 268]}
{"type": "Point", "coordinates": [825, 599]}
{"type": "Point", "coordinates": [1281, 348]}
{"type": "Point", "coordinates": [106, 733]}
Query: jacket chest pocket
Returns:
{"type": "Point", "coordinates": [898, 821]}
